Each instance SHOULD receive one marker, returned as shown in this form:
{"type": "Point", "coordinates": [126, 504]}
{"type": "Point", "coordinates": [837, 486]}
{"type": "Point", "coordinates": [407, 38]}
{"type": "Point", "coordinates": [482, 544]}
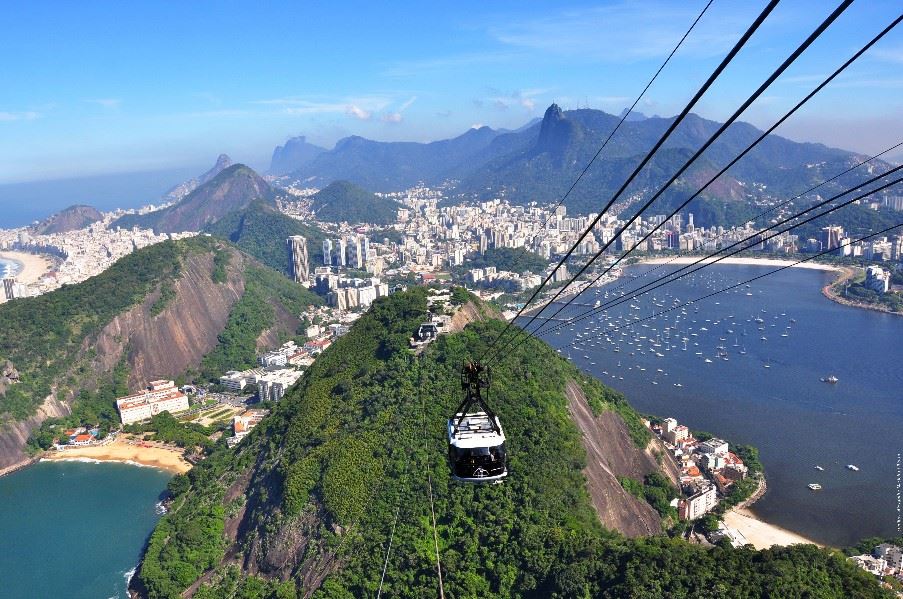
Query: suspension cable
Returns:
{"type": "Point", "coordinates": [724, 126]}
{"type": "Point", "coordinates": [740, 284]}
{"type": "Point", "coordinates": [730, 164]}
{"type": "Point", "coordinates": [674, 124]}
{"type": "Point", "coordinates": [762, 214]}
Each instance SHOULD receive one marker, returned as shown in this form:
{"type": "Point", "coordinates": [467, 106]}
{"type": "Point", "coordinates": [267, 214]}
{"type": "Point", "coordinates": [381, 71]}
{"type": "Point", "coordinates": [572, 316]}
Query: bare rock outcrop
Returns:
{"type": "Point", "coordinates": [611, 453]}
{"type": "Point", "coordinates": [14, 434]}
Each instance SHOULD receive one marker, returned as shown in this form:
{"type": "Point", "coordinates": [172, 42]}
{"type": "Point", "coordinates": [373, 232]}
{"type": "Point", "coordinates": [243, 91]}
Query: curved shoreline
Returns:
{"type": "Point", "coordinates": [155, 456]}
{"type": "Point", "coordinates": [846, 274]}
{"type": "Point", "coordinates": [843, 273]}
{"type": "Point", "coordinates": [31, 266]}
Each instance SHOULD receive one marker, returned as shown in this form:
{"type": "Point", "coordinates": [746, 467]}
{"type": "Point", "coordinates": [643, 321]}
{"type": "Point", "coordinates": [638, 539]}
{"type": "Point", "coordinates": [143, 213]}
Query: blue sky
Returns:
{"type": "Point", "coordinates": [99, 87]}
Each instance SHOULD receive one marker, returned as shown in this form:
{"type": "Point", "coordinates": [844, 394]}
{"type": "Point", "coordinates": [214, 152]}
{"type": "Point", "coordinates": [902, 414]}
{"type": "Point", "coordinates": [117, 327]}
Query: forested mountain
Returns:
{"type": "Point", "coordinates": [342, 201]}
{"type": "Point", "coordinates": [306, 504]}
{"type": "Point", "coordinates": [72, 218]}
{"type": "Point", "coordinates": [261, 231]}
{"type": "Point", "coordinates": [233, 189]}
{"type": "Point", "coordinates": [194, 305]}
{"type": "Point", "coordinates": [296, 153]}
{"type": "Point", "coordinates": [540, 162]}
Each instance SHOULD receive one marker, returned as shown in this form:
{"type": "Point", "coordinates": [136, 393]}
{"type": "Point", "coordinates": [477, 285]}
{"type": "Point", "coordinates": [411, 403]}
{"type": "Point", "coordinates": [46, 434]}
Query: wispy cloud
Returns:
{"type": "Point", "coordinates": [888, 54]}
{"type": "Point", "coordinates": [357, 112]}
{"type": "Point", "coordinates": [359, 107]}
{"type": "Point", "coordinates": [600, 34]}
{"type": "Point", "coordinates": [521, 98]}
{"type": "Point", "coordinates": [28, 115]}
{"type": "Point", "coordinates": [109, 103]}
{"type": "Point", "coordinates": [397, 115]}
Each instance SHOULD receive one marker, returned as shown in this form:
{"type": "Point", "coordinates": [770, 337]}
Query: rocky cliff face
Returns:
{"type": "Point", "coordinates": [13, 434]}
{"type": "Point", "coordinates": [611, 453]}
{"type": "Point", "coordinates": [165, 345]}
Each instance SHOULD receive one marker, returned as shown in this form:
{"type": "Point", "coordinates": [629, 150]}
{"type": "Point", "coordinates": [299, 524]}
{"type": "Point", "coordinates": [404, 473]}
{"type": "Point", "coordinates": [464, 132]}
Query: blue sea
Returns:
{"type": "Point", "coordinates": [75, 529]}
{"type": "Point", "coordinates": [771, 396]}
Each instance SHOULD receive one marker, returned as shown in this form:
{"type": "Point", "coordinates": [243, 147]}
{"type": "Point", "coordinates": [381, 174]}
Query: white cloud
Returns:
{"type": "Point", "coordinates": [358, 112]}
{"type": "Point", "coordinates": [29, 115]}
{"type": "Point", "coordinates": [111, 103]}
{"type": "Point", "coordinates": [407, 104]}
{"type": "Point", "coordinates": [523, 98]}
{"type": "Point", "coordinates": [392, 117]}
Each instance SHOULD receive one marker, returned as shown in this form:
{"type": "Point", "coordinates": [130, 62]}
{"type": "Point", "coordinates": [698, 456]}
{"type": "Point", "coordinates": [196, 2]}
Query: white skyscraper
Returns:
{"type": "Point", "coordinates": [340, 258]}
{"type": "Point", "coordinates": [297, 258]}
{"type": "Point", "coordinates": [327, 252]}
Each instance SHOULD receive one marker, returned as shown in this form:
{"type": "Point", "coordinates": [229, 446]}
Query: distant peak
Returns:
{"type": "Point", "coordinates": [223, 160]}
{"type": "Point", "coordinates": [553, 113]}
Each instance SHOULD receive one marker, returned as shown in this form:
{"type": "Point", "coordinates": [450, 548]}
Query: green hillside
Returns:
{"type": "Point", "coordinates": [261, 231]}
{"type": "Point", "coordinates": [307, 502]}
{"type": "Point", "coordinates": [43, 336]}
{"type": "Point", "coordinates": [344, 201]}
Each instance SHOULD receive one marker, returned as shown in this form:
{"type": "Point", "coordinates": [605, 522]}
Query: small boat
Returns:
{"type": "Point", "coordinates": [819, 468]}
{"type": "Point", "coordinates": [814, 486]}
{"type": "Point", "coordinates": [830, 379]}
{"type": "Point", "coordinates": [853, 467]}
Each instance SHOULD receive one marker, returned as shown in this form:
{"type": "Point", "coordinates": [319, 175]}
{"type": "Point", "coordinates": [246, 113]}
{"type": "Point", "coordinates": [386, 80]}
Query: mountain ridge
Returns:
{"type": "Point", "coordinates": [72, 218]}
{"type": "Point", "coordinates": [233, 188]}
{"type": "Point", "coordinates": [540, 161]}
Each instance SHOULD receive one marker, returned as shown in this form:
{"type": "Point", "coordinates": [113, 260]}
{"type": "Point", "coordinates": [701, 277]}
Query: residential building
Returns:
{"type": "Point", "coordinates": [877, 279]}
{"type": "Point", "coordinates": [271, 386]}
{"type": "Point", "coordinates": [698, 504]}
{"type": "Point", "coordinates": [715, 446]}
{"type": "Point", "coordinates": [160, 396]}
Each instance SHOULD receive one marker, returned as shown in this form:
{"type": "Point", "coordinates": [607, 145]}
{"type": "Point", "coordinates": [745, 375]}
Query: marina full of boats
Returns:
{"type": "Point", "coordinates": [659, 323]}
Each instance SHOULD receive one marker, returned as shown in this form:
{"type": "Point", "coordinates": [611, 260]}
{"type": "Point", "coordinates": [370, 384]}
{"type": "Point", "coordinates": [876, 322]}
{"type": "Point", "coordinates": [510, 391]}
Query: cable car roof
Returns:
{"type": "Point", "coordinates": [475, 430]}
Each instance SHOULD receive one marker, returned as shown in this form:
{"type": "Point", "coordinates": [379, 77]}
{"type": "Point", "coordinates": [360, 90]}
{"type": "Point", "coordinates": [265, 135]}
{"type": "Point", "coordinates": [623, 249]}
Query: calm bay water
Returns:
{"type": "Point", "coordinates": [75, 529]}
{"type": "Point", "coordinates": [771, 396]}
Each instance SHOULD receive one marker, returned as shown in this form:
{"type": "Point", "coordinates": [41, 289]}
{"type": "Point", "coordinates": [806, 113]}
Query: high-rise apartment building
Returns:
{"type": "Point", "coordinates": [296, 245]}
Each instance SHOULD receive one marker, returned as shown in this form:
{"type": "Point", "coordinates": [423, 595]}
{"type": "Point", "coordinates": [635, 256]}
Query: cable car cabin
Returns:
{"type": "Point", "coordinates": [476, 448]}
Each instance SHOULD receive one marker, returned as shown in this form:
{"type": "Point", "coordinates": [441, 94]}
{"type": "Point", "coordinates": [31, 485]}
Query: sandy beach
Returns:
{"type": "Point", "coordinates": [33, 266]}
{"type": "Point", "coordinates": [120, 450]}
{"type": "Point", "coordinates": [761, 534]}
{"type": "Point", "coordinates": [683, 260]}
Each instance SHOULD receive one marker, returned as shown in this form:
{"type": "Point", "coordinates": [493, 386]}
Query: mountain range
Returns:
{"type": "Point", "coordinates": [541, 160]}
{"type": "Point", "coordinates": [296, 153]}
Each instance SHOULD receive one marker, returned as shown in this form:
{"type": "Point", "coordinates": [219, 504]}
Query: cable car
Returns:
{"type": "Point", "coordinates": [476, 442]}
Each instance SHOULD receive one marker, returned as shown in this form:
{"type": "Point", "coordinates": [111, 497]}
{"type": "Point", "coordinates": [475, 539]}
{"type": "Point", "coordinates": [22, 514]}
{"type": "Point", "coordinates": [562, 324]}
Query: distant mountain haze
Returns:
{"type": "Point", "coordinates": [540, 161]}
{"type": "Point", "coordinates": [293, 155]}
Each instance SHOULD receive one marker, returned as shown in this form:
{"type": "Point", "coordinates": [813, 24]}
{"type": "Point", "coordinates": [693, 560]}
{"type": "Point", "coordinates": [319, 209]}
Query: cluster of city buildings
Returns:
{"type": "Point", "coordinates": [441, 236]}
{"type": "Point", "coordinates": [348, 293]}
{"type": "Point", "coordinates": [707, 468]}
{"type": "Point", "coordinates": [159, 396]}
{"type": "Point", "coordinates": [78, 255]}
{"type": "Point", "coordinates": [885, 560]}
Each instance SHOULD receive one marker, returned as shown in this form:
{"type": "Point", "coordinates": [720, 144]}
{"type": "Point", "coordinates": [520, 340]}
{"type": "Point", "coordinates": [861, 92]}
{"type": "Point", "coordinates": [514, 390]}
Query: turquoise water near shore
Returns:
{"type": "Point", "coordinates": [74, 529]}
